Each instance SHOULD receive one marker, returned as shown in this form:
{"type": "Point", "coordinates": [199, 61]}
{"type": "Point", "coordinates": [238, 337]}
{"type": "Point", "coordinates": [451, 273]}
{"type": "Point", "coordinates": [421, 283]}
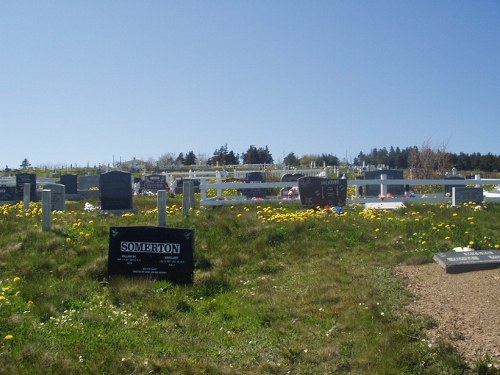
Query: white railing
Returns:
{"type": "Point", "coordinates": [220, 199]}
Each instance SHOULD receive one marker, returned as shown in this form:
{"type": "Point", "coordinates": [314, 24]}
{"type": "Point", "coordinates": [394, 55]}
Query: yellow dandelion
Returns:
{"type": "Point", "coordinates": [17, 279]}
{"type": "Point", "coordinates": [8, 337]}
{"type": "Point", "coordinates": [2, 298]}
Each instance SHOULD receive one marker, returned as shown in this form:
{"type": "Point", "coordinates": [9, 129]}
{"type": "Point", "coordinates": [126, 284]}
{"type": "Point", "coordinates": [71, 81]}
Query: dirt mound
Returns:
{"type": "Point", "coordinates": [465, 306]}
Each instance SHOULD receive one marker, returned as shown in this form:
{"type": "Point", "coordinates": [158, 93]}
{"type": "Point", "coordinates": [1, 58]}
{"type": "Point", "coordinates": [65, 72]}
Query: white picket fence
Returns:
{"type": "Point", "coordinates": [220, 199]}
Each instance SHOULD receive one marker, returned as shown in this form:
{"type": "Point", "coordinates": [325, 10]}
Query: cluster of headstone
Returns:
{"type": "Point", "coordinates": [16, 193]}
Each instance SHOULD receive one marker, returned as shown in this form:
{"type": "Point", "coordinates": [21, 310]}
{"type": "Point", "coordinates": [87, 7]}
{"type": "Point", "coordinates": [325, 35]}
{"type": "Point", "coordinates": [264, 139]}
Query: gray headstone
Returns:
{"type": "Point", "coordinates": [464, 261]}
{"type": "Point", "coordinates": [58, 196]}
{"type": "Point", "coordinates": [463, 195]}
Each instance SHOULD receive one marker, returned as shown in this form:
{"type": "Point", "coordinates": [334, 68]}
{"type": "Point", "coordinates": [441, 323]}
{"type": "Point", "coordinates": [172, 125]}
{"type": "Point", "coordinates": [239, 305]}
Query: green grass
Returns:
{"type": "Point", "coordinates": [277, 290]}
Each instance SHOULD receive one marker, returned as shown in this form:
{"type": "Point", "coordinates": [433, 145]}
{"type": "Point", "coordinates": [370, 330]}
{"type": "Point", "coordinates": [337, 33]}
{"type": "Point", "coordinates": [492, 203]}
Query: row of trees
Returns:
{"type": "Point", "coordinates": [426, 161]}
{"type": "Point", "coordinates": [429, 158]}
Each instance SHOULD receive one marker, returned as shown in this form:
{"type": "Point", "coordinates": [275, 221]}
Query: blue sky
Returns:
{"type": "Point", "coordinates": [92, 81]}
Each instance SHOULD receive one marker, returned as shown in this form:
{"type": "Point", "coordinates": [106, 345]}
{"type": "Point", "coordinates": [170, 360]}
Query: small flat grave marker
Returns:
{"type": "Point", "coordinates": [156, 252]}
{"type": "Point", "coordinates": [384, 205]}
{"type": "Point", "coordinates": [465, 261]}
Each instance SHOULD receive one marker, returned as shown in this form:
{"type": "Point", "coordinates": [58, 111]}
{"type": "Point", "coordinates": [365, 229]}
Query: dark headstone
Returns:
{"type": "Point", "coordinates": [255, 178]}
{"type": "Point", "coordinates": [116, 190]}
{"type": "Point", "coordinates": [8, 193]}
{"type": "Point", "coordinates": [156, 252]}
{"type": "Point", "coordinates": [464, 261]}
{"type": "Point", "coordinates": [71, 183]}
{"type": "Point", "coordinates": [180, 182]}
{"type": "Point", "coordinates": [463, 195]}
{"type": "Point", "coordinates": [392, 174]}
{"type": "Point", "coordinates": [57, 196]}
{"type": "Point", "coordinates": [155, 182]}
{"type": "Point", "coordinates": [448, 189]}
{"type": "Point", "coordinates": [321, 192]}
{"type": "Point", "coordinates": [26, 178]}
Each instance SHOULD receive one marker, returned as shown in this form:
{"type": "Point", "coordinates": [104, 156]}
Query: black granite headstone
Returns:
{"type": "Point", "coordinates": [321, 192]}
{"type": "Point", "coordinates": [26, 178]}
{"type": "Point", "coordinates": [255, 178]}
{"type": "Point", "coordinates": [392, 174]}
{"type": "Point", "coordinates": [156, 252]}
{"type": "Point", "coordinates": [116, 190]}
{"type": "Point", "coordinates": [8, 193]}
{"type": "Point", "coordinates": [464, 261]}
{"type": "Point", "coordinates": [71, 183]}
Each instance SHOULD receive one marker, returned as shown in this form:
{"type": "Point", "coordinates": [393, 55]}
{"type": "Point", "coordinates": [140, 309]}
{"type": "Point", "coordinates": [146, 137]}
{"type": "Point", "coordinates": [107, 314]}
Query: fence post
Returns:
{"type": "Point", "coordinates": [219, 180]}
{"type": "Point", "coordinates": [46, 210]}
{"type": "Point", "coordinates": [203, 191]}
{"type": "Point", "coordinates": [162, 208]}
{"type": "Point", "coordinates": [26, 195]}
{"type": "Point", "coordinates": [477, 177]}
{"type": "Point", "coordinates": [187, 196]}
{"type": "Point", "coordinates": [383, 187]}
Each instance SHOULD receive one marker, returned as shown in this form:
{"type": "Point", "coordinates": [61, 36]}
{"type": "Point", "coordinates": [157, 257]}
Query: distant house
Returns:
{"type": "Point", "coordinates": [134, 165]}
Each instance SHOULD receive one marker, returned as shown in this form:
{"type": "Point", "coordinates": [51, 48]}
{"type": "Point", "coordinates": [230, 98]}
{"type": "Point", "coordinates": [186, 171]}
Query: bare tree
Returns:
{"type": "Point", "coordinates": [428, 162]}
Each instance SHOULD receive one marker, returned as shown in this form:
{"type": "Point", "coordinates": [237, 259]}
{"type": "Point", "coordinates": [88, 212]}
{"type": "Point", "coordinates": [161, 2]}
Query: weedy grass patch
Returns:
{"type": "Point", "coordinates": [277, 290]}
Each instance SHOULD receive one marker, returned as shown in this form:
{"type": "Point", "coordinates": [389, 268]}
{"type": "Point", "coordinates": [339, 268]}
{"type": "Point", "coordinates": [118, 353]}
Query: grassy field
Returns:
{"type": "Point", "coordinates": [277, 290]}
